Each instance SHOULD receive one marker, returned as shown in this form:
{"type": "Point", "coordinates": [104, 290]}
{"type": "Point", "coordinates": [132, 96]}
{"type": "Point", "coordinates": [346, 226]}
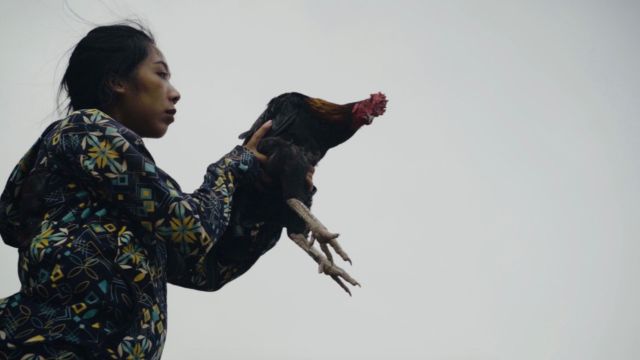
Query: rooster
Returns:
{"type": "Point", "coordinates": [303, 130]}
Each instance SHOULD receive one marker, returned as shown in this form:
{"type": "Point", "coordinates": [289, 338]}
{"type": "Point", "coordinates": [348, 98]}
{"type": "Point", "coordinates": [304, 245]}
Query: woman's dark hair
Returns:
{"type": "Point", "coordinates": [105, 54]}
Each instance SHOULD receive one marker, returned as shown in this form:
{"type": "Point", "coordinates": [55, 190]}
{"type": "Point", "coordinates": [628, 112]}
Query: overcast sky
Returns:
{"type": "Point", "coordinates": [491, 213]}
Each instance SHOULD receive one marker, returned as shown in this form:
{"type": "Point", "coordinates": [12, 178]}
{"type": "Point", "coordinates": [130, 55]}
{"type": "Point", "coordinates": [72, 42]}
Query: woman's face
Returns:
{"type": "Point", "coordinates": [146, 102]}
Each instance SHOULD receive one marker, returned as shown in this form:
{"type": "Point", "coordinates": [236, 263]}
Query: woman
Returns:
{"type": "Point", "coordinates": [100, 229]}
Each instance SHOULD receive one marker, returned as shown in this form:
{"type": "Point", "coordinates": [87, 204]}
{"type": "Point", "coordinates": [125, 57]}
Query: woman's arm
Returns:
{"type": "Point", "coordinates": [115, 163]}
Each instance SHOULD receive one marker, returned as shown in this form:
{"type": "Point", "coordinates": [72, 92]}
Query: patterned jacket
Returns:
{"type": "Point", "coordinates": [100, 230]}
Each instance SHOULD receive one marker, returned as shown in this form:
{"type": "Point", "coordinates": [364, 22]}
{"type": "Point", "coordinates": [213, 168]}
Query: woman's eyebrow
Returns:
{"type": "Point", "coordinates": [163, 63]}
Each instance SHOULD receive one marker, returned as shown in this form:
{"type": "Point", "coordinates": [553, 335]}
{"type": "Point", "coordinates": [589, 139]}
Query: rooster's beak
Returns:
{"type": "Point", "coordinates": [370, 119]}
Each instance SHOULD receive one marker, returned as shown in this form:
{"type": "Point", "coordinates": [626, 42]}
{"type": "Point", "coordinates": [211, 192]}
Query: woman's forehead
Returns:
{"type": "Point", "coordinates": [156, 56]}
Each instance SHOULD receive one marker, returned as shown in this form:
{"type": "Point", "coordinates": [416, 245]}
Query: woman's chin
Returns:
{"type": "Point", "coordinates": [161, 132]}
{"type": "Point", "coordinates": [156, 132]}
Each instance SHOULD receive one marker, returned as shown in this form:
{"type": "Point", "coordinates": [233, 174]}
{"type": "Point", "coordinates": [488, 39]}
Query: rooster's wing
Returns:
{"type": "Point", "coordinates": [283, 110]}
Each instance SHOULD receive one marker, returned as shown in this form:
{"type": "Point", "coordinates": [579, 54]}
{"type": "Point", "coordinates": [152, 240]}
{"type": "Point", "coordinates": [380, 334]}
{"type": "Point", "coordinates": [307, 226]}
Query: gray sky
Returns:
{"type": "Point", "coordinates": [491, 213]}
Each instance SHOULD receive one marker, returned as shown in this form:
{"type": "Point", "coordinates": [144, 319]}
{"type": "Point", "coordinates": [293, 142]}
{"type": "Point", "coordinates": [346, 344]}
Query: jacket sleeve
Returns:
{"type": "Point", "coordinates": [115, 162]}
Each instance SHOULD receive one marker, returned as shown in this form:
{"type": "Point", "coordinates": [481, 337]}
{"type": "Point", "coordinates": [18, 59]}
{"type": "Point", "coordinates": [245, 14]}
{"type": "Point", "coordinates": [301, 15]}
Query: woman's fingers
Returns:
{"type": "Point", "coordinates": [259, 134]}
{"type": "Point", "coordinates": [310, 178]}
{"type": "Point", "coordinates": [252, 144]}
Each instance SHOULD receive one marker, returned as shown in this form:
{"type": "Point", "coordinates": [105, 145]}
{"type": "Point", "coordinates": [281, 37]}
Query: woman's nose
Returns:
{"type": "Point", "coordinates": [174, 95]}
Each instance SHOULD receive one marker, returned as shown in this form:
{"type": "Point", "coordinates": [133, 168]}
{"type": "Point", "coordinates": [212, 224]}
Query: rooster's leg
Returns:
{"type": "Point", "coordinates": [319, 232]}
{"type": "Point", "coordinates": [324, 265]}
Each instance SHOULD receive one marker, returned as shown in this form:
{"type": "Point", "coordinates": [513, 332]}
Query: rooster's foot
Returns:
{"type": "Point", "coordinates": [324, 264]}
{"type": "Point", "coordinates": [319, 232]}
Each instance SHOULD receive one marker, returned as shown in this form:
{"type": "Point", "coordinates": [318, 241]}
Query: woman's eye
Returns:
{"type": "Point", "coordinates": [163, 75]}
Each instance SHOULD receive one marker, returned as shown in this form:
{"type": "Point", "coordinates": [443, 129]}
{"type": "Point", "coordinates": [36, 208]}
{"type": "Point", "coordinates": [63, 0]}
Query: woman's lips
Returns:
{"type": "Point", "coordinates": [170, 115]}
{"type": "Point", "coordinates": [169, 118]}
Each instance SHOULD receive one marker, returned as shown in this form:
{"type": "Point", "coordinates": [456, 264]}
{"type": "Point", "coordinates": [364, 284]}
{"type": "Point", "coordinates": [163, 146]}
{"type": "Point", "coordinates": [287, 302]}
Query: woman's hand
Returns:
{"type": "Point", "coordinates": [252, 144]}
{"type": "Point", "coordinates": [310, 178]}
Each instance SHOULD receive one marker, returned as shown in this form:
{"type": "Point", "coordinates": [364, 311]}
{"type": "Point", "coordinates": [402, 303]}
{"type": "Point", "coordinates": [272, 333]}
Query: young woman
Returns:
{"type": "Point", "coordinates": [100, 229]}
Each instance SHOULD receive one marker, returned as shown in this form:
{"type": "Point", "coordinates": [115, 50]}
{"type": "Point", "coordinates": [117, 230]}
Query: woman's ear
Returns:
{"type": "Point", "coordinates": [117, 85]}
